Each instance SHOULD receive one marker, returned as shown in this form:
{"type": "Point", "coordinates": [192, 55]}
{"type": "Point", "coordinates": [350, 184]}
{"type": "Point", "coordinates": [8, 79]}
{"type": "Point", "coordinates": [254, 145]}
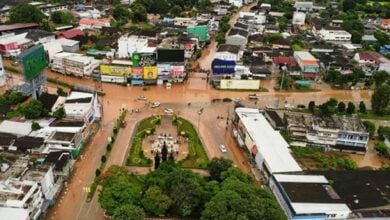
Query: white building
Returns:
{"type": "Point", "coordinates": [228, 52]}
{"type": "Point", "coordinates": [82, 106]}
{"type": "Point", "coordinates": [237, 3]}
{"type": "Point", "coordinates": [63, 141]}
{"type": "Point", "coordinates": [308, 197]}
{"type": "Point", "coordinates": [14, 213]}
{"type": "Point", "coordinates": [266, 145]}
{"type": "Point", "coordinates": [334, 35]}
{"type": "Point", "coordinates": [21, 194]}
{"type": "Point", "coordinates": [127, 45]}
{"type": "Point", "coordinates": [74, 64]}
{"type": "Point", "coordinates": [184, 22]}
{"type": "Point", "coordinates": [298, 18]}
{"type": "Point", "coordinates": [52, 48]}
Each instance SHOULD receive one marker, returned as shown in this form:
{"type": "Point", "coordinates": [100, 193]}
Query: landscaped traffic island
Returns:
{"type": "Point", "coordinates": [159, 138]}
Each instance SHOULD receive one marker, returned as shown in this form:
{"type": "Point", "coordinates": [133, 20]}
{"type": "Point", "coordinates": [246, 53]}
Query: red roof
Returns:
{"type": "Point", "coordinates": [370, 55]}
{"type": "Point", "coordinates": [289, 61]}
{"type": "Point", "coordinates": [70, 33]}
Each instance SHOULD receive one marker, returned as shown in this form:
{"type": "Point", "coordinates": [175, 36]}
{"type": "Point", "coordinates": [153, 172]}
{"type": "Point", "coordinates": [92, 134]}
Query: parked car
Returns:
{"type": "Point", "coordinates": [168, 111]}
{"type": "Point", "coordinates": [142, 98]}
{"type": "Point", "coordinates": [156, 104]}
{"type": "Point", "coordinates": [253, 96]}
{"type": "Point", "coordinates": [222, 148]}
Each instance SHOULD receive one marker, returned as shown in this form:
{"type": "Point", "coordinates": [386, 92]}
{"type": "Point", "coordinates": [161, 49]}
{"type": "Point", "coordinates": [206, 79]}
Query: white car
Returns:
{"type": "Point", "coordinates": [142, 98]}
{"type": "Point", "coordinates": [156, 104]}
{"type": "Point", "coordinates": [168, 111]}
{"type": "Point", "coordinates": [222, 148]}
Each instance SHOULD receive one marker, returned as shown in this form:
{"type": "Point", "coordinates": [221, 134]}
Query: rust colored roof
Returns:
{"type": "Point", "coordinates": [289, 61]}
{"type": "Point", "coordinates": [16, 26]}
{"type": "Point", "coordinates": [71, 33]}
{"type": "Point", "coordinates": [386, 21]}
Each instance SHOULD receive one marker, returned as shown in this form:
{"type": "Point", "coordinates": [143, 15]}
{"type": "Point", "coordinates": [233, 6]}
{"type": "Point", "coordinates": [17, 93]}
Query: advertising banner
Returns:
{"type": "Point", "coordinates": [114, 70]}
{"type": "Point", "coordinates": [223, 66]}
{"type": "Point", "coordinates": [139, 71]}
{"type": "Point", "coordinates": [150, 72]}
{"type": "Point", "coordinates": [177, 71]}
{"type": "Point", "coordinates": [144, 59]}
{"type": "Point", "coordinates": [34, 61]}
{"type": "Point", "coordinates": [164, 69]}
{"type": "Point", "coordinates": [240, 84]}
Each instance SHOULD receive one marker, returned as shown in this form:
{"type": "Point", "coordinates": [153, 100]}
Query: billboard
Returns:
{"type": "Point", "coordinates": [240, 84]}
{"type": "Point", "coordinates": [150, 72]}
{"type": "Point", "coordinates": [34, 61]}
{"type": "Point", "coordinates": [223, 66]}
{"type": "Point", "coordinates": [177, 71]}
{"type": "Point", "coordinates": [139, 71]}
{"type": "Point", "coordinates": [144, 59]}
{"type": "Point", "coordinates": [112, 70]}
{"type": "Point", "coordinates": [164, 69]}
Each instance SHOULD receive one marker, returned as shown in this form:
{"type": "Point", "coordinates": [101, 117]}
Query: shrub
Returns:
{"type": "Point", "coordinates": [103, 159]}
{"type": "Point", "coordinates": [381, 147]}
{"type": "Point", "coordinates": [35, 126]}
{"type": "Point", "coordinates": [108, 147]}
{"type": "Point", "coordinates": [98, 172]}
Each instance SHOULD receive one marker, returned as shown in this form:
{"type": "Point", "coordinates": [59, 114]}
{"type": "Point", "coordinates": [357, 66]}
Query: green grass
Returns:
{"type": "Point", "coordinates": [296, 47]}
{"type": "Point", "coordinates": [197, 157]}
{"type": "Point", "coordinates": [136, 156]}
{"type": "Point", "coordinates": [371, 115]}
{"type": "Point", "coordinates": [322, 160]}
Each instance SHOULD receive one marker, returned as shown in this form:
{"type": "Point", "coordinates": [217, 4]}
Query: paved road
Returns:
{"type": "Point", "coordinates": [212, 130]}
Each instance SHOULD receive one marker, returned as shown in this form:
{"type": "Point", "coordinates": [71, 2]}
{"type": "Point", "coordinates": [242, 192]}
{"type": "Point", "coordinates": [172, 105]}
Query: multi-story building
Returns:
{"type": "Point", "coordinates": [345, 133]}
{"type": "Point", "coordinates": [307, 62]}
{"type": "Point", "coordinates": [334, 34]}
{"type": "Point", "coordinates": [372, 61]}
{"type": "Point", "coordinates": [127, 45]}
{"type": "Point", "coordinates": [74, 64]}
{"type": "Point", "coordinates": [228, 52]}
{"type": "Point", "coordinates": [265, 145]}
{"type": "Point", "coordinates": [308, 197]}
{"type": "Point", "coordinates": [237, 37]}
{"type": "Point", "coordinates": [82, 106]}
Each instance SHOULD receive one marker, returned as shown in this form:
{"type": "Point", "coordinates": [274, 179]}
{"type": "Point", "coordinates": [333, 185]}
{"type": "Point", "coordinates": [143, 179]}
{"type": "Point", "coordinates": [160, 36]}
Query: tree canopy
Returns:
{"type": "Point", "coordinates": [380, 99]}
{"type": "Point", "coordinates": [129, 212]}
{"type": "Point", "coordinates": [217, 166]}
{"type": "Point", "coordinates": [62, 17]}
{"type": "Point", "coordinates": [173, 191]}
{"type": "Point", "coordinates": [24, 13]}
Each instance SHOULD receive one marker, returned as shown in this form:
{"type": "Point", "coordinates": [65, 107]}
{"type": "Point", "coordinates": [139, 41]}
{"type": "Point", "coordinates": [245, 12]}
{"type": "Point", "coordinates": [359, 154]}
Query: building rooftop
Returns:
{"type": "Point", "coordinates": [48, 100]}
{"type": "Point", "coordinates": [62, 136]}
{"type": "Point", "coordinates": [170, 55]}
{"type": "Point", "coordinates": [36, 34]}
{"type": "Point", "coordinates": [310, 194]}
{"type": "Point", "coordinates": [14, 213]}
{"type": "Point", "coordinates": [275, 117]}
{"type": "Point", "coordinates": [17, 26]}
{"type": "Point", "coordinates": [229, 48]}
{"type": "Point", "coordinates": [240, 32]}
{"type": "Point", "coordinates": [67, 123]}
{"type": "Point", "coordinates": [304, 55]}
{"type": "Point", "coordinates": [361, 189]}
{"type": "Point", "coordinates": [269, 142]}
{"type": "Point", "coordinates": [27, 142]}
{"type": "Point", "coordinates": [6, 139]}
{"type": "Point", "coordinates": [15, 127]}
{"type": "Point", "coordinates": [339, 122]}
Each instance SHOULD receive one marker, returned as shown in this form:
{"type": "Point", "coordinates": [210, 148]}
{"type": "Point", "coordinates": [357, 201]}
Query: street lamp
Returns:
{"type": "Point", "coordinates": [199, 113]}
